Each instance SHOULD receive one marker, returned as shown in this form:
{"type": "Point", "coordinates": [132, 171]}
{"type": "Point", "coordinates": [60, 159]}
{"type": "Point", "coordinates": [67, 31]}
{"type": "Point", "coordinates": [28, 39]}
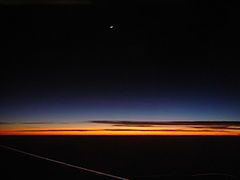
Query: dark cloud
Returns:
{"type": "Point", "coordinates": [197, 124]}
{"type": "Point", "coordinates": [5, 123]}
{"type": "Point", "coordinates": [134, 125]}
{"type": "Point", "coordinates": [235, 127]}
{"type": "Point", "coordinates": [163, 130]}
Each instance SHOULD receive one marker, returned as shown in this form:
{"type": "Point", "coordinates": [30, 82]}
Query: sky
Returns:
{"type": "Point", "coordinates": [168, 68]}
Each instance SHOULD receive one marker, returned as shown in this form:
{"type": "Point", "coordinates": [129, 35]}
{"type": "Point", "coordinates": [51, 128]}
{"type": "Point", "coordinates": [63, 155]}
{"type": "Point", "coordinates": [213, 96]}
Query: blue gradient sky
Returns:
{"type": "Point", "coordinates": [120, 107]}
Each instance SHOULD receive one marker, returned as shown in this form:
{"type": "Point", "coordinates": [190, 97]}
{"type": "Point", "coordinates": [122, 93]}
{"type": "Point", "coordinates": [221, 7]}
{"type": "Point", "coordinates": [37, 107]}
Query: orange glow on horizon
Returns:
{"type": "Point", "coordinates": [122, 132]}
{"type": "Point", "coordinates": [109, 129]}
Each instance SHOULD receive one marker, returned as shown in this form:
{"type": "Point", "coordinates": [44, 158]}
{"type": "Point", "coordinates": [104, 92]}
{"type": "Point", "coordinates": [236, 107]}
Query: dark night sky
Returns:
{"type": "Point", "coordinates": [168, 60]}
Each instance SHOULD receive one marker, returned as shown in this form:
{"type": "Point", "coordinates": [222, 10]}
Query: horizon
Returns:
{"type": "Point", "coordinates": [169, 128]}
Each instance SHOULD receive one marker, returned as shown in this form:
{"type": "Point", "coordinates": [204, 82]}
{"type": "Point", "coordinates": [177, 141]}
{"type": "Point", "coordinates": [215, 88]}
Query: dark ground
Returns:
{"type": "Point", "coordinates": [134, 157]}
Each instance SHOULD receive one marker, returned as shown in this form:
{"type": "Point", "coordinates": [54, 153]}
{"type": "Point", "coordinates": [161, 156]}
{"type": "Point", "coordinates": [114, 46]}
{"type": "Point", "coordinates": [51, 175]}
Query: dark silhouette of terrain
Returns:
{"type": "Point", "coordinates": [133, 157]}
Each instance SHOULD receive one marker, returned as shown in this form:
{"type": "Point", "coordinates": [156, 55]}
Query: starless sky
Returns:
{"type": "Point", "coordinates": [80, 68]}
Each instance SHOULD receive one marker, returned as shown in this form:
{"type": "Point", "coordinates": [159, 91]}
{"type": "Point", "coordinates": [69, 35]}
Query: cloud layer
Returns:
{"type": "Point", "coordinates": [105, 127]}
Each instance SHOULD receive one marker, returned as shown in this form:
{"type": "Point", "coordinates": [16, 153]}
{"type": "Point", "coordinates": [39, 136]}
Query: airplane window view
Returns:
{"type": "Point", "coordinates": [98, 89]}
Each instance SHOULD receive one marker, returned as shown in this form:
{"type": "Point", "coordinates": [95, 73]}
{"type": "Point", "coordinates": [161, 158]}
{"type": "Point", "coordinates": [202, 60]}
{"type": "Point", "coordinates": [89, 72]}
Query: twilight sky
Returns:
{"type": "Point", "coordinates": [83, 67]}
